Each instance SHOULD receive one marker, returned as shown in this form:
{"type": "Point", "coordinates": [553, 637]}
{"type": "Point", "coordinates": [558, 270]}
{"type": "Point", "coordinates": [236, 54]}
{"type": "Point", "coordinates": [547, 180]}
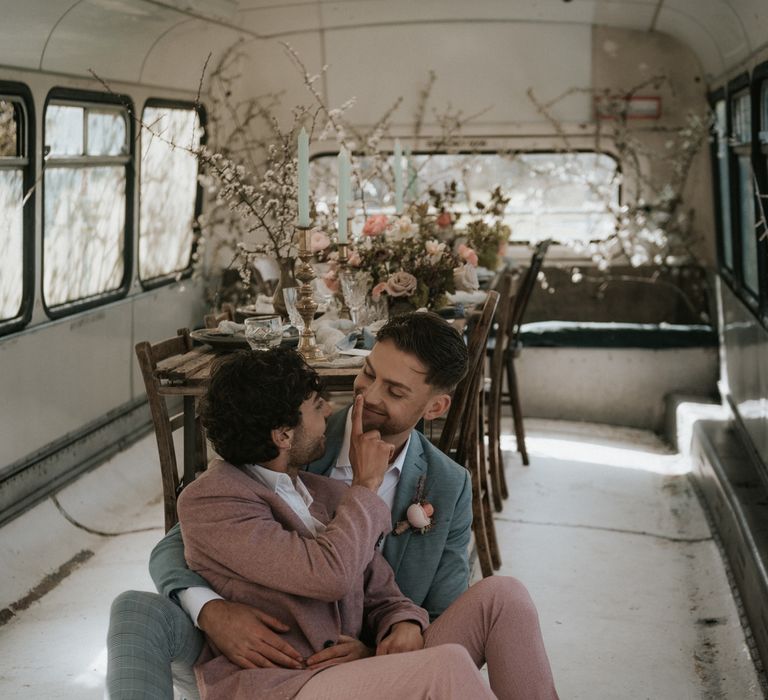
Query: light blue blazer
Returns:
{"type": "Point", "coordinates": [431, 569]}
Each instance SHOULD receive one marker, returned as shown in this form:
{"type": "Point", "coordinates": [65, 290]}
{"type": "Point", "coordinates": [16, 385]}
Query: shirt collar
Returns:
{"type": "Point", "coordinates": [342, 461]}
{"type": "Point", "coordinates": [277, 481]}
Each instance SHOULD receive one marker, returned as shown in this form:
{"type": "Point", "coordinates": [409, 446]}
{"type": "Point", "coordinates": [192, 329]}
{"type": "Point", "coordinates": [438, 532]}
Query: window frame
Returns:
{"type": "Point", "coordinates": [23, 95]}
{"type": "Point", "coordinates": [186, 273]}
{"type": "Point", "coordinates": [760, 166]}
{"type": "Point", "coordinates": [86, 98]}
{"type": "Point", "coordinates": [736, 88]}
{"type": "Point", "coordinates": [490, 152]}
{"type": "Point", "coordinates": [725, 271]}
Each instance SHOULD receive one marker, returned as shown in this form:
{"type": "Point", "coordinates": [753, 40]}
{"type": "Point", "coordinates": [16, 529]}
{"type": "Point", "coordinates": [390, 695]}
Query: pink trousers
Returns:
{"type": "Point", "coordinates": [495, 621]}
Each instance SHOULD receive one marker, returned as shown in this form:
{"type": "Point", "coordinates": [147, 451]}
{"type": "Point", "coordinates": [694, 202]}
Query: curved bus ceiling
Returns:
{"type": "Point", "coordinates": [166, 42]}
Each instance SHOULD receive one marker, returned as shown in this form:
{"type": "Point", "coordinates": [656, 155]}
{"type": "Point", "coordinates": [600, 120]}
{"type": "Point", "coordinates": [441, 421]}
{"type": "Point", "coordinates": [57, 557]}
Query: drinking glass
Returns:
{"type": "Point", "coordinates": [290, 296]}
{"type": "Point", "coordinates": [263, 332]}
{"type": "Point", "coordinates": [354, 286]}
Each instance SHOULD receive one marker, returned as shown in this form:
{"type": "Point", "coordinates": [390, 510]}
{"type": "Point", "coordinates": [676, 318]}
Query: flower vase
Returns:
{"type": "Point", "coordinates": [285, 280]}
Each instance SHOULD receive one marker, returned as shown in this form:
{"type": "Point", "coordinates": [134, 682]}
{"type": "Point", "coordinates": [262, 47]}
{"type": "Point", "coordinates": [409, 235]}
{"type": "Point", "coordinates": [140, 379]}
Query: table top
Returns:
{"type": "Point", "coordinates": [188, 374]}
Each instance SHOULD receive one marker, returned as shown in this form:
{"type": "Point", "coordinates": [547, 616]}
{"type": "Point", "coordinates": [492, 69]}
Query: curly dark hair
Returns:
{"type": "Point", "coordinates": [250, 394]}
{"type": "Point", "coordinates": [437, 344]}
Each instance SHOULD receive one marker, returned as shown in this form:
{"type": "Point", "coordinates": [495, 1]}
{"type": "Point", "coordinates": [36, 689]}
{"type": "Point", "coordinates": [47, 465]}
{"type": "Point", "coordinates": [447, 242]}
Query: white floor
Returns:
{"type": "Point", "coordinates": [603, 527]}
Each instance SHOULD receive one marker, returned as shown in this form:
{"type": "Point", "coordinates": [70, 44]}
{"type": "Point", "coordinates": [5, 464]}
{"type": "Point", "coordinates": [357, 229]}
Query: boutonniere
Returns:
{"type": "Point", "coordinates": [419, 513]}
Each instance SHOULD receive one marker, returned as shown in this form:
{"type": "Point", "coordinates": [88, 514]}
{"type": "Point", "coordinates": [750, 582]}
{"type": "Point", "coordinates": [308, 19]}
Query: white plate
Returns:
{"type": "Point", "coordinates": [360, 352]}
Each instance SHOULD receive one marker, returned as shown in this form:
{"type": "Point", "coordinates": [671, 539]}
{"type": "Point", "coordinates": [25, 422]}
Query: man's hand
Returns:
{"type": "Point", "coordinates": [368, 453]}
{"type": "Point", "coordinates": [346, 649]}
{"type": "Point", "coordinates": [246, 636]}
{"type": "Point", "coordinates": [404, 636]}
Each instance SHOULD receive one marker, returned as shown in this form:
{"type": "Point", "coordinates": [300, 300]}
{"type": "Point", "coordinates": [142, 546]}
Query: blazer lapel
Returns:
{"type": "Point", "coordinates": [284, 514]}
{"type": "Point", "coordinates": [414, 467]}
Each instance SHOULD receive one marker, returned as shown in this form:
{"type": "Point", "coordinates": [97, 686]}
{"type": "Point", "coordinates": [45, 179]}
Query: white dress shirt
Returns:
{"type": "Point", "coordinates": [343, 469]}
{"type": "Point", "coordinates": [299, 499]}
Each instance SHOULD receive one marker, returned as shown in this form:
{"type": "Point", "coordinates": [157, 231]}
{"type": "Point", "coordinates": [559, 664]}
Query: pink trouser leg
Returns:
{"type": "Point", "coordinates": [439, 673]}
{"type": "Point", "coordinates": [496, 621]}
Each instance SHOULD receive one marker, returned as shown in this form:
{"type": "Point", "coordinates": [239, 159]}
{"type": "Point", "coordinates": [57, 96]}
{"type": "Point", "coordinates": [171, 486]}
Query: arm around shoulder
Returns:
{"type": "Point", "coordinates": [168, 568]}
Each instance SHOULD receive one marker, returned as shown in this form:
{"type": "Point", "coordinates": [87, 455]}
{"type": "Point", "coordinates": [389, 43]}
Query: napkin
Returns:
{"type": "Point", "coordinates": [230, 327]}
{"type": "Point", "coordinates": [340, 334]}
{"type": "Point", "coordinates": [458, 297]}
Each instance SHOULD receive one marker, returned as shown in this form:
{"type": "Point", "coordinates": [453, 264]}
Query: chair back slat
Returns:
{"type": "Point", "coordinates": [149, 356]}
{"type": "Point", "coordinates": [478, 341]}
{"type": "Point", "coordinates": [527, 285]}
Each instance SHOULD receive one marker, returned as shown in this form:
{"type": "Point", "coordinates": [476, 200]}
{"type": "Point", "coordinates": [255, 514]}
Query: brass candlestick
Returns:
{"type": "Point", "coordinates": [343, 261]}
{"type": "Point", "coordinates": [305, 303]}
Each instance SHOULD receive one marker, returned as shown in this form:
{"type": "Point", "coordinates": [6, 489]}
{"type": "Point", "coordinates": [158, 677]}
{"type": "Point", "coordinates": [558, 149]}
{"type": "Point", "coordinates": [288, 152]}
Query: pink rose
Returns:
{"type": "Point", "coordinates": [375, 225]}
{"type": "Point", "coordinates": [331, 281]}
{"type": "Point", "coordinates": [466, 253]}
{"type": "Point", "coordinates": [354, 259]}
{"type": "Point", "coordinates": [401, 284]}
{"type": "Point", "coordinates": [318, 241]}
{"type": "Point", "coordinates": [444, 220]}
{"type": "Point", "coordinates": [378, 290]}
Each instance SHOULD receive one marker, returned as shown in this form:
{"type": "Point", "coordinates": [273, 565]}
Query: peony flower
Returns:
{"type": "Point", "coordinates": [465, 278]}
{"type": "Point", "coordinates": [375, 225]}
{"type": "Point", "coordinates": [444, 220]}
{"type": "Point", "coordinates": [354, 259]}
{"type": "Point", "coordinates": [378, 290]}
{"type": "Point", "coordinates": [403, 228]}
{"type": "Point", "coordinates": [467, 254]}
{"type": "Point", "coordinates": [318, 240]}
{"type": "Point", "coordinates": [420, 515]}
{"type": "Point", "coordinates": [434, 247]}
{"type": "Point", "coordinates": [331, 281]}
{"type": "Point", "coordinates": [435, 250]}
{"type": "Point", "coordinates": [401, 284]}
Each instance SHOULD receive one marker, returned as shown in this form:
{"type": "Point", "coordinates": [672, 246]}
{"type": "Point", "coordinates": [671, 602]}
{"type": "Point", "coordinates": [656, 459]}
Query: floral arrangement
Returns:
{"type": "Point", "coordinates": [409, 266]}
{"type": "Point", "coordinates": [252, 172]}
{"type": "Point", "coordinates": [420, 513]}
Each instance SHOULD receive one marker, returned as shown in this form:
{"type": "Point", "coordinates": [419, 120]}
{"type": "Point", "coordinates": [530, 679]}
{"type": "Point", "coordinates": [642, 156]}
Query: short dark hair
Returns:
{"type": "Point", "coordinates": [436, 343]}
{"type": "Point", "coordinates": [250, 394]}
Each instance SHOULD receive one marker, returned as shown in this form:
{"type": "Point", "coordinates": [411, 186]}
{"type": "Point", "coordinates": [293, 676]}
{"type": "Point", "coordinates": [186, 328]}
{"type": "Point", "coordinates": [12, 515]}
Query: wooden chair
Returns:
{"type": "Point", "coordinates": [149, 355]}
{"type": "Point", "coordinates": [497, 347]}
{"type": "Point", "coordinates": [462, 437]}
{"type": "Point", "coordinates": [227, 313]}
{"type": "Point", "coordinates": [512, 351]}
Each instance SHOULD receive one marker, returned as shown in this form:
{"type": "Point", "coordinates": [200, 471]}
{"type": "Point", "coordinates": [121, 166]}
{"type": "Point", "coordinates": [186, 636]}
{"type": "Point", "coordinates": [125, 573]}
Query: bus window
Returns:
{"type": "Point", "coordinates": [85, 196]}
{"type": "Point", "coordinates": [13, 162]}
{"type": "Point", "coordinates": [741, 126]}
{"type": "Point", "coordinates": [561, 196]}
{"type": "Point", "coordinates": [170, 197]}
{"type": "Point", "coordinates": [723, 182]}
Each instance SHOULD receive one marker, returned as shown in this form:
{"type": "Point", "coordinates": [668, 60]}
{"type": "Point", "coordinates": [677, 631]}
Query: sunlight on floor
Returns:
{"type": "Point", "coordinates": [622, 448]}
{"type": "Point", "coordinates": [96, 672]}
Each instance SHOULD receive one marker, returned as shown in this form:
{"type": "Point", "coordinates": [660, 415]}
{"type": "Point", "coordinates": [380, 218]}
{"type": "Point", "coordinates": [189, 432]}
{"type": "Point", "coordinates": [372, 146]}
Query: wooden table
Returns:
{"type": "Point", "coordinates": [187, 376]}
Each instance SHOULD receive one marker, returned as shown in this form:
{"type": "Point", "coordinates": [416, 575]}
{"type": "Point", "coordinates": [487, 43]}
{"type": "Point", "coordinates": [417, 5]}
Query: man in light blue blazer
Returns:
{"type": "Point", "coordinates": [409, 376]}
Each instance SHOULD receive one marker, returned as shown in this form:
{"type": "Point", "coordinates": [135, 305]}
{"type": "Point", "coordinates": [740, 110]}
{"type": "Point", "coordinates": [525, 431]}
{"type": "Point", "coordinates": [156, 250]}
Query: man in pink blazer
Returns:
{"type": "Point", "coordinates": [303, 548]}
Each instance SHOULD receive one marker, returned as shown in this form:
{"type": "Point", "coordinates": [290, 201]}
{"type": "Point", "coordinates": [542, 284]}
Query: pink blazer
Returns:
{"type": "Point", "coordinates": [252, 548]}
